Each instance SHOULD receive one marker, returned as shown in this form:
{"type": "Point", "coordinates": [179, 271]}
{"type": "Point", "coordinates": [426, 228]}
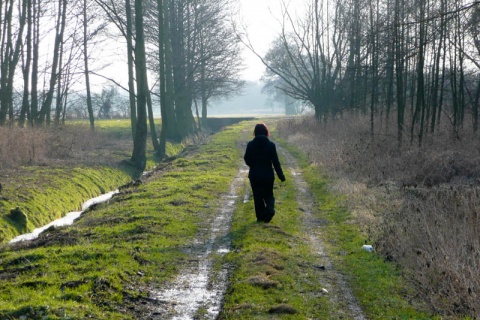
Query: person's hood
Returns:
{"type": "Point", "coordinates": [261, 139]}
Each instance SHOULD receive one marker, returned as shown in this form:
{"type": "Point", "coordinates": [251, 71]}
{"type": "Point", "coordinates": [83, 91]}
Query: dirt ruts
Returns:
{"type": "Point", "coordinates": [336, 285]}
{"type": "Point", "coordinates": [199, 289]}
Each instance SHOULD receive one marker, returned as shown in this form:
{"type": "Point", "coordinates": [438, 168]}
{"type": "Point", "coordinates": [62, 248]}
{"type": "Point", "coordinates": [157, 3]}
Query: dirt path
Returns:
{"type": "Point", "coordinates": [199, 289]}
{"type": "Point", "coordinates": [335, 283]}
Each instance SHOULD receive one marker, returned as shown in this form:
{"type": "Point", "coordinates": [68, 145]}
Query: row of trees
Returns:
{"type": "Point", "coordinates": [182, 51]}
{"type": "Point", "coordinates": [417, 59]}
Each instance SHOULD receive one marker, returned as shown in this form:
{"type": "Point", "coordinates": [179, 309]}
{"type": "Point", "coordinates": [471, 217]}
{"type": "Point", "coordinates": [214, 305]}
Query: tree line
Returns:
{"type": "Point", "coordinates": [413, 63]}
{"type": "Point", "coordinates": [180, 54]}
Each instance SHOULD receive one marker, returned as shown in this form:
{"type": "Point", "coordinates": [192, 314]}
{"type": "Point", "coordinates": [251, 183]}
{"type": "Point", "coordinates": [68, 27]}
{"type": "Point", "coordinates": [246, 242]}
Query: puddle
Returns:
{"type": "Point", "coordinates": [198, 287]}
{"type": "Point", "coordinates": [67, 220]}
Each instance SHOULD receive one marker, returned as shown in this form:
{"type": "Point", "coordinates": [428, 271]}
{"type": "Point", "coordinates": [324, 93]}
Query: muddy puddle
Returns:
{"type": "Point", "coordinates": [200, 288]}
{"type": "Point", "coordinates": [67, 220]}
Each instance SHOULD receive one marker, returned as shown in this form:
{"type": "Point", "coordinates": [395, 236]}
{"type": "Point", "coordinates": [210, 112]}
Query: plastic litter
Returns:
{"type": "Point", "coordinates": [367, 247]}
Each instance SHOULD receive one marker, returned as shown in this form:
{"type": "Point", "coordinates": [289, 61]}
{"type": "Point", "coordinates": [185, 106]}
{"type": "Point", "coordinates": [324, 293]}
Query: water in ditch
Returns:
{"type": "Point", "coordinates": [67, 220]}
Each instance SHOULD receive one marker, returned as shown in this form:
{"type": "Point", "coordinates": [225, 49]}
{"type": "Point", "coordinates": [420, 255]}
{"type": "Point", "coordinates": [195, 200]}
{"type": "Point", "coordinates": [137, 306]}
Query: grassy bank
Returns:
{"type": "Point", "coordinates": [71, 165]}
{"type": "Point", "coordinates": [105, 265]}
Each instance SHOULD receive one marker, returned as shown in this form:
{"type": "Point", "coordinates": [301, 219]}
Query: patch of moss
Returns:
{"type": "Point", "coordinates": [18, 219]}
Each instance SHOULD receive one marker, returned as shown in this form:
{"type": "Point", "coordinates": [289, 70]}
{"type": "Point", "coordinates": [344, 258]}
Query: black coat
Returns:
{"type": "Point", "coordinates": [260, 156]}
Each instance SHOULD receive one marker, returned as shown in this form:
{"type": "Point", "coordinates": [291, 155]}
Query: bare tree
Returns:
{"type": "Point", "coordinates": [140, 141]}
{"type": "Point", "coordinates": [307, 60]}
{"type": "Point", "coordinates": [217, 58]}
{"type": "Point", "coordinates": [26, 65]}
{"type": "Point", "coordinates": [86, 64]}
{"type": "Point", "coordinates": [10, 47]}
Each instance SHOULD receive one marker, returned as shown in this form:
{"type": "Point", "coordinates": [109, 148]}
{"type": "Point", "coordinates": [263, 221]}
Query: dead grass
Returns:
{"type": "Point", "coordinates": [21, 146]}
{"type": "Point", "coordinates": [43, 146]}
{"type": "Point", "coordinates": [421, 205]}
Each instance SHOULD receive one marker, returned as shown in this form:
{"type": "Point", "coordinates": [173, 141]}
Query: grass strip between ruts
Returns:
{"type": "Point", "coordinates": [99, 267]}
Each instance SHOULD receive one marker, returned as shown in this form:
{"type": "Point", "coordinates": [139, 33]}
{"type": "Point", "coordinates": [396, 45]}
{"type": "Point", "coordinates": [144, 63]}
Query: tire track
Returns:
{"type": "Point", "coordinates": [199, 289]}
{"type": "Point", "coordinates": [336, 285]}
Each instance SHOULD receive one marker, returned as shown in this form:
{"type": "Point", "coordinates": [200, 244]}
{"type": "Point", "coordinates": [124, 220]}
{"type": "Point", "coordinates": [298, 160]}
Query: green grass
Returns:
{"type": "Point", "coordinates": [114, 255]}
{"type": "Point", "coordinates": [46, 193]}
{"type": "Point", "coordinates": [107, 263]}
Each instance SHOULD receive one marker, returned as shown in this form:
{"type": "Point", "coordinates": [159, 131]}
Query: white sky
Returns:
{"type": "Point", "coordinates": [258, 16]}
{"type": "Point", "coordinates": [262, 19]}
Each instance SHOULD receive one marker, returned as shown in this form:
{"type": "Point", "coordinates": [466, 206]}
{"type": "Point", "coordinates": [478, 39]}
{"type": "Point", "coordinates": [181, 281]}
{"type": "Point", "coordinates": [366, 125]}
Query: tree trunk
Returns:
{"type": "Point", "coordinates": [25, 112]}
{"type": "Point", "coordinates": [139, 157]}
{"type": "Point", "coordinates": [10, 56]}
{"type": "Point", "coordinates": [60, 29]}
{"type": "Point", "coordinates": [183, 107]}
{"type": "Point", "coordinates": [162, 79]}
{"type": "Point", "coordinates": [475, 108]}
{"type": "Point", "coordinates": [130, 62]}
{"type": "Point", "coordinates": [151, 119]}
{"type": "Point", "coordinates": [436, 73]}
{"type": "Point", "coordinates": [60, 79]}
{"type": "Point", "coordinates": [34, 120]}
{"type": "Point", "coordinates": [420, 101]}
{"type": "Point", "coordinates": [5, 52]}
{"type": "Point", "coordinates": [172, 128]}
{"type": "Point", "coordinates": [399, 65]}
{"type": "Point", "coordinates": [91, 116]}
{"type": "Point", "coordinates": [390, 66]}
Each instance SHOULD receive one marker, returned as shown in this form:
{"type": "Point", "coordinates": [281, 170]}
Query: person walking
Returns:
{"type": "Point", "coordinates": [261, 156]}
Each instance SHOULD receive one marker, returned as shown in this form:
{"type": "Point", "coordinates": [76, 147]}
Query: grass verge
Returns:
{"type": "Point", "coordinates": [378, 285]}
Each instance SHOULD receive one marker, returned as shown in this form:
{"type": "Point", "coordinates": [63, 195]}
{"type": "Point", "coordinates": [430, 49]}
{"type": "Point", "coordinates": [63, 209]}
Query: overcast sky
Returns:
{"type": "Point", "coordinates": [259, 18]}
{"type": "Point", "coordinates": [263, 21]}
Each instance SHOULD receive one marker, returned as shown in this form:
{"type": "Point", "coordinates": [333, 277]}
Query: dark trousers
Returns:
{"type": "Point", "coordinates": [263, 199]}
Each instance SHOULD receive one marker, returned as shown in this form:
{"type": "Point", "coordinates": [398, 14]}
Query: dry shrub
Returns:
{"type": "Point", "coordinates": [41, 146]}
{"type": "Point", "coordinates": [439, 245]}
{"type": "Point", "coordinates": [419, 203]}
{"type": "Point", "coordinates": [74, 141]}
{"type": "Point", "coordinates": [346, 148]}
{"type": "Point", "coordinates": [20, 146]}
